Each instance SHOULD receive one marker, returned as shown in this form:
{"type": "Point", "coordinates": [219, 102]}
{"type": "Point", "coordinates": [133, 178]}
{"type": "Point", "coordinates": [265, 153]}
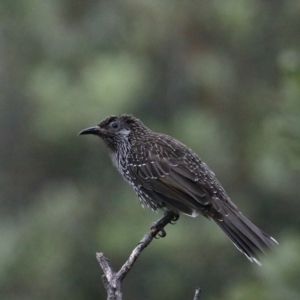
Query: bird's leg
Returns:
{"type": "Point", "coordinates": [169, 217]}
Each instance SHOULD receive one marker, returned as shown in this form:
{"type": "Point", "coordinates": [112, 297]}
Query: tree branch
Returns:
{"type": "Point", "coordinates": [197, 293]}
{"type": "Point", "coordinates": [112, 280]}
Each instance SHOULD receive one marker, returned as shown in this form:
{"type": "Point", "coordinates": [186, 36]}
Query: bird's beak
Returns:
{"type": "Point", "coordinates": [91, 130]}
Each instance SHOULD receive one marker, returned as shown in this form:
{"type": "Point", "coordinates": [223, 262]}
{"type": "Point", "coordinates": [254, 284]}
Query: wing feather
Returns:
{"type": "Point", "coordinates": [171, 178]}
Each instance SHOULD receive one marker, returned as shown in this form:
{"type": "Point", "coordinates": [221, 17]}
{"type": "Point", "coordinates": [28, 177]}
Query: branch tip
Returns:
{"type": "Point", "coordinates": [197, 293]}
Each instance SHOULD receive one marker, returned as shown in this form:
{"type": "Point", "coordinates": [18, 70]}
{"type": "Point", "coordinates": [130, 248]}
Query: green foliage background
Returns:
{"type": "Point", "coordinates": [221, 76]}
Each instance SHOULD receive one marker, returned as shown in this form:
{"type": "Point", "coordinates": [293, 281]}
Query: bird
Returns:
{"type": "Point", "coordinates": [167, 175]}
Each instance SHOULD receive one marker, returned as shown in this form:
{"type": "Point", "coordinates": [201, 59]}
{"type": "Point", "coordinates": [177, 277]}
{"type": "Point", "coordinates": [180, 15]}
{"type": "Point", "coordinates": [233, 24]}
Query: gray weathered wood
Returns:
{"type": "Point", "coordinates": [112, 280]}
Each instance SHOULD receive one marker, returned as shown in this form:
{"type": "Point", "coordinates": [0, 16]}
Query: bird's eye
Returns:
{"type": "Point", "coordinates": [114, 125]}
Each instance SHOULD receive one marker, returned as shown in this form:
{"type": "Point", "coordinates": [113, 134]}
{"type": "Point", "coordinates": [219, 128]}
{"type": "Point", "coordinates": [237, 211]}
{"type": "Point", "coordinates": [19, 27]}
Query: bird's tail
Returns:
{"type": "Point", "coordinates": [248, 238]}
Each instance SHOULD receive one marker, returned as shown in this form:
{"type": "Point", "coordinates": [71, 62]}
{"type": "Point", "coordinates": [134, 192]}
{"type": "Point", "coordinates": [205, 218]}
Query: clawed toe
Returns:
{"type": "Point", "coordinates": [162, 233]}
{"type": "Point", "coordinates": [159, 227]}
{"type": "Point", "coordinates": [174, 218]}
{"type": "Point", "coordinates": [160, 230]}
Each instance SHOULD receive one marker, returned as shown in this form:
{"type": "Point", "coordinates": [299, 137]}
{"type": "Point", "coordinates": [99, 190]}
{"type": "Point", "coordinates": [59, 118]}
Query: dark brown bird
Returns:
{"type": "Point", "coordinates": [168, 175]}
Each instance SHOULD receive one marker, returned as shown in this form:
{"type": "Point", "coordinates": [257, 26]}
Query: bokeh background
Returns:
{"type": "Point", "coordinates": [221, 76]}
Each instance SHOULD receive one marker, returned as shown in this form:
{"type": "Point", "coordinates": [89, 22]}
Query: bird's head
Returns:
{"type": "Point", "coordinates": [117, 130]}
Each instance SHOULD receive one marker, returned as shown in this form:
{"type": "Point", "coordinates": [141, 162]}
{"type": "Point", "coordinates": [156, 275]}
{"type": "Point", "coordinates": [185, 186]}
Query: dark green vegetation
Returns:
{"type": "Point", "coordinates": [221, 76]}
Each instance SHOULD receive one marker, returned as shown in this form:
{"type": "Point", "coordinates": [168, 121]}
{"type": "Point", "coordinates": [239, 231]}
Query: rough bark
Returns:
{"type": "Point", "coordinates": [112, 280]}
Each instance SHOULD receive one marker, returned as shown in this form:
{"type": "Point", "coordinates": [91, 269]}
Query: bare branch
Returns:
{"type": "Point", "coordinates": [105, 265]}
{"type": "Point", "coordinates": [145, 241]}
{"type": "Point", "coordinates": [197, 293]}
{"type": "Point", "coordinates": [112, 280]}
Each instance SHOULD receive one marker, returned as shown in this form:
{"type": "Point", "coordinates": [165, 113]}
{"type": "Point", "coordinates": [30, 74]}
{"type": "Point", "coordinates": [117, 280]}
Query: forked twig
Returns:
{"type": "Point", "coordinates": [112, 280]}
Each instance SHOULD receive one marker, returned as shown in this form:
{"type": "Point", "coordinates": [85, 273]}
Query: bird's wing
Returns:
{"type": "Point", "coordinates": [170, 173]}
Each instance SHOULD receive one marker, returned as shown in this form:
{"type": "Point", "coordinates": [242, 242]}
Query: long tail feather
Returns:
{"type": "Point", "coordinates": [248, 238]}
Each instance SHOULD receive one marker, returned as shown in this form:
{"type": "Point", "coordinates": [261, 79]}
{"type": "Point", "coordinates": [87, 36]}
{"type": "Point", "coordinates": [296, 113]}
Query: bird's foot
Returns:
{"type": "Point", "coordinates": [159, 225]}
{"type": "Point", "coordinates": [175, 217]}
